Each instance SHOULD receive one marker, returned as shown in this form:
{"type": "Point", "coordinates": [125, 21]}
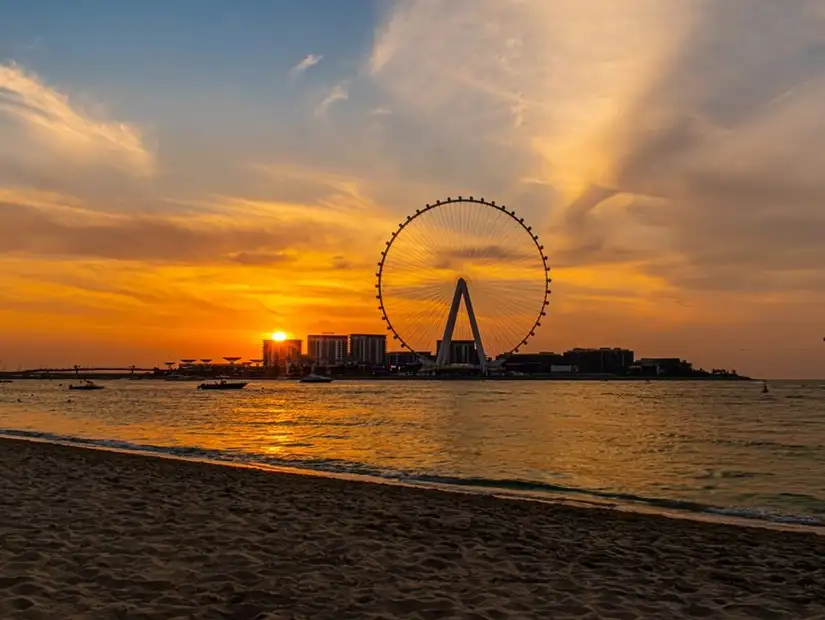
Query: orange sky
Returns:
{"type": "Point", "coordinates": [670, 157]}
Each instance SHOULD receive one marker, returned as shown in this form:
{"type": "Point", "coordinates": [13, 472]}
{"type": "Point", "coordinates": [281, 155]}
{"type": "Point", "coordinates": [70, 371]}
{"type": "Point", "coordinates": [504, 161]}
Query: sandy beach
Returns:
{"type": "Point", "coordinates": [94, 534]}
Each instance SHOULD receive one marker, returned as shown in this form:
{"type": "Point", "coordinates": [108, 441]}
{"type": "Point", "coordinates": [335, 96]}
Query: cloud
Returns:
{"type": "Point", "coordinates": [36, 119]}
{"type": "Point", "coordinates": [731, 151]}
{"type": "Point", "coordinates": [682, 138]}
{"type": "Point", "coordinates": [491, 252]}
{"type": "Point", "coordinates": [263, 258]}
{"type": "Point", "coordinates": [309, 61]}
{"type": "Point", "coordinates": [341, 262]}
{"type": "Point", "coordinates": [339, 92]}
{"type": "Point", "coordinates": [45, 226]}
{"type": "Point", "coordinates": [144, 238]}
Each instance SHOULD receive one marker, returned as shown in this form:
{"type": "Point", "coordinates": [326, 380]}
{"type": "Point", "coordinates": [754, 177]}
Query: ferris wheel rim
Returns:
{"type": "Point", "coordinates": [463, 199]}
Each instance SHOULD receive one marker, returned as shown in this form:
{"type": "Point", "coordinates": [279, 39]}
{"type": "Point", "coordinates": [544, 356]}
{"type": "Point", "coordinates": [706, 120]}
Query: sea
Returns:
{"type": "Point", "coordinates": [690, 448]}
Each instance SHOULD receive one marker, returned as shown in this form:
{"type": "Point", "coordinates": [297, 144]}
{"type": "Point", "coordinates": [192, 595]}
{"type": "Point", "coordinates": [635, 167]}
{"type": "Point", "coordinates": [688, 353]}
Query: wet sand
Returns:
{"type": "Point", "coordinates": [95, 534]}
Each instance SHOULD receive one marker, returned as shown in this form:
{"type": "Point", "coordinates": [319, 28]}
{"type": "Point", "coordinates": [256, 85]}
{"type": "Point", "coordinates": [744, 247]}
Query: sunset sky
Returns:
{"type": "Point", "coordinates": [178, 179]}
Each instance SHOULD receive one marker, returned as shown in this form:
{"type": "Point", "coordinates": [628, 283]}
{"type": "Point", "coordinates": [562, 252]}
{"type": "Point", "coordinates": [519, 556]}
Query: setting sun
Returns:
{"type": "Point", "coordinates": [278, 336]}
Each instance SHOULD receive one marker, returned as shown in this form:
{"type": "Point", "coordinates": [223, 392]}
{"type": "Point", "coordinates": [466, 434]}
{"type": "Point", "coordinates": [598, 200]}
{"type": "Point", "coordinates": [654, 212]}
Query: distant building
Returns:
{"type": "Point", "coordinates": [605, 360]}
{"type": "Point", "coordinates": [403, 359]}
{"type": "Point", "coordinates": [668, 366]}
{"type": "Point", "coordinates": [598, 361]}
{"type": "Point", "coordinates": [328, 349]}
{"type": "Point", "coordinates": [368, 348]}
{"type": "Point", "coordinates": [534, 363]}
{"type": "Point", "coordinates": [281, 353]}
{"type": "Point", "coordinates": [461, 351]}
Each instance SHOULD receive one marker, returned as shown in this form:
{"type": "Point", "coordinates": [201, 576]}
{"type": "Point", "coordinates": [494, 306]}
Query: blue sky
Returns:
{"type": "Point", "coordinates": [157, 61]}
{"type": "Point", "coordinates": [669, 153]}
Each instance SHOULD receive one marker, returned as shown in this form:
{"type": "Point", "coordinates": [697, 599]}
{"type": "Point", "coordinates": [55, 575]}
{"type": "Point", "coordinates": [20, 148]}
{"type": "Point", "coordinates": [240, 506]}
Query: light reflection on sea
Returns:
{"type": "Point", "coordinates": [705, 444]}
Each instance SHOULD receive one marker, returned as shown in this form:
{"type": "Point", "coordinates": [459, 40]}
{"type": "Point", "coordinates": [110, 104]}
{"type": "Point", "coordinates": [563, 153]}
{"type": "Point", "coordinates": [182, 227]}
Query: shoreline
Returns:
{"type": "Point", "coordinates": [588, 377]}
{"type": "Point", "coordinates": [582, 498]}
{"type": "Point", "coordinates": [106, 533]}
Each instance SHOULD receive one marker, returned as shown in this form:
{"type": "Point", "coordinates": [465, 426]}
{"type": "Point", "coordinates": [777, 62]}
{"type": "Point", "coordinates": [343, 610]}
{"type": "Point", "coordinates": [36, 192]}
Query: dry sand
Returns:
{"type": "Point", "coordinates": [91, 534]}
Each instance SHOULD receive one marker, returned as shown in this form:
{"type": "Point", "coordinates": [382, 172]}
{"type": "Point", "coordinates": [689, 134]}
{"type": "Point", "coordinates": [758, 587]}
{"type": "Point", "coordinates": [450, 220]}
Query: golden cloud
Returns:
{"type": "Point", "coordinates": [47, 116]}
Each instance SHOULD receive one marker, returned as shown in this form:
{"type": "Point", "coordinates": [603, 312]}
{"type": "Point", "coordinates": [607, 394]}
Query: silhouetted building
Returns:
{"type": "Point", "coordinates": [461, 351]}
{"type": "Point", "coordinates": [328, 349]}
{"type": "Point", "coordinates": [666, 366]}
{"type": "Point", "coordinates": [402, 359]}
{"type": "Point", "coordinates": [604, 360]}
{"type": "Point", "coordinates": [536, 363]}
{"type": "Point", "coordinates": [281, 353]}
{"type": "Point", "coordinates": [368, 348]}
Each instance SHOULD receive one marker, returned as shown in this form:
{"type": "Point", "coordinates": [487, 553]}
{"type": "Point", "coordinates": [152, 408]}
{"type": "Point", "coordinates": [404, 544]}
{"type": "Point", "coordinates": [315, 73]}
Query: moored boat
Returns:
{"type": "Point", "coordinates": [313, 378]}
{"type": "Point", "coordinates": [86, 385]}
{"type": "Point", "coordinates": [223, 385]}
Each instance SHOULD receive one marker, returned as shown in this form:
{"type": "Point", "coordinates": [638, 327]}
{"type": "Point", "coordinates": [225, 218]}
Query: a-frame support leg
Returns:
{"type": "Point", "coordinates": [443, 358]}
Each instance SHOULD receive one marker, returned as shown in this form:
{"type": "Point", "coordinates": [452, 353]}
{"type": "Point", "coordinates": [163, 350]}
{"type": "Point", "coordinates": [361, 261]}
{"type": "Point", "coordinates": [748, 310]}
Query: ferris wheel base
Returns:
{"type": "Point", "coordinates": [442, 360]}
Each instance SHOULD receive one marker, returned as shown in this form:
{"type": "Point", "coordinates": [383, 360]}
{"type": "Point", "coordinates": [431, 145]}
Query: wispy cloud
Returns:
{"type": "Point", "coordinates": [663, 139]}
{"type": "Point", "coordinates": [672, 148]}
{"type": "Point", "coordinates": [339, 92]}
{"type": "Point", "coordinates": [47, 116]}
{"type": "Point", "coordinates": [309, 61]}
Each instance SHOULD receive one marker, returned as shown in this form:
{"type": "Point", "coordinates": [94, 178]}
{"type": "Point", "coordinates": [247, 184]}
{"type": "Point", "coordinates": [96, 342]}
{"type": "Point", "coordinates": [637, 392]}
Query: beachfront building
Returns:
{"type": "Point", "coordinates": [667, 366]}
{"type": "Point", "coordinates": [370, 349]}
{"type": "Point", "coordinates": [328, 349]}
{"type": "Point", "coordinates": [281, 353]}
{"type": "Point", "coordinates": [536, 363]}
{"type": "Point", "coordinates": [605, 360]}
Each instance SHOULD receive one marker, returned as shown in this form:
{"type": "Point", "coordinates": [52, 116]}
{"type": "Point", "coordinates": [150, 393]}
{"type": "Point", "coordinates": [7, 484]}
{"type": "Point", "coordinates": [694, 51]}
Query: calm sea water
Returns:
{"type": "Point", "coordinates": [708, 447]}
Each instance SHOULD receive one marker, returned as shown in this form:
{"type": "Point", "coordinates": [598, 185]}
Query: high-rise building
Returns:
{"type": "Point", "coordinates": [328, 349]}
{"type": "Point", "coordinates": [368, 348]}
{"type": "Point", "coordinates": [281, 353]}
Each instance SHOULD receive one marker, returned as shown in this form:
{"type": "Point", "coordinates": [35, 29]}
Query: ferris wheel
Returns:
{"type": "Point", "coordinates": [466, 250]}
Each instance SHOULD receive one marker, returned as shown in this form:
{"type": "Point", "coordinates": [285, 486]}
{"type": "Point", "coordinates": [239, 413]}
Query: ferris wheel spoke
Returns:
{"type": "Point", "coordinates": [442, 232]}
{"type": "Point", "coordinates": [515, 315]}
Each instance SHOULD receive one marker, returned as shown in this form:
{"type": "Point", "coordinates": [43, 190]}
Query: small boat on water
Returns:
{"type": "Point", "coordinates": [6, 381]}
{"type": "Point", "coordinates": [223, 384]}
{"type": "Point", "coordinates": [313, 378]}
{"type": "Point", "coordinates": [86, 385]}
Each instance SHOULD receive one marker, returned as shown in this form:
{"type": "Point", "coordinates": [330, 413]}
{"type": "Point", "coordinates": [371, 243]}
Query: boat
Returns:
{"type": "Point", "coordinates": [6, 381]}
{"type": "Point", "coordinates": [223, 384]}
{"type": "Point", "coordinates": [313, 378]}
{"type": "Point", "coordinates": [86, 385]}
